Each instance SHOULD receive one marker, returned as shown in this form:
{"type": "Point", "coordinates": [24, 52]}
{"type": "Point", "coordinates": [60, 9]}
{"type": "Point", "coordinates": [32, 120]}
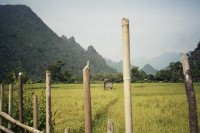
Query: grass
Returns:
{"type": "Point", "coordinates": [157, 107]}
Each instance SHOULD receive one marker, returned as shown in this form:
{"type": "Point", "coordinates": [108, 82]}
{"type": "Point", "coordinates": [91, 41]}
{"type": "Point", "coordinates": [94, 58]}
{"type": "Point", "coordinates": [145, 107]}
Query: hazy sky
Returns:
{"type": "Point", "coordinates": [156, 26]}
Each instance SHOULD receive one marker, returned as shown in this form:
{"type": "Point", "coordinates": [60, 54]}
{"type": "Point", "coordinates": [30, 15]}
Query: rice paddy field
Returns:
{"type": "Point", "coordinates": [157, 107]}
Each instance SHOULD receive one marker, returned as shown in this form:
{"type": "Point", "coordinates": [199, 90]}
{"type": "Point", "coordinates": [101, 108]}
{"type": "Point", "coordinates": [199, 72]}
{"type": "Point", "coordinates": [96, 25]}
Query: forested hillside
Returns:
{"type": "Point", "coordinates": [27, 44]}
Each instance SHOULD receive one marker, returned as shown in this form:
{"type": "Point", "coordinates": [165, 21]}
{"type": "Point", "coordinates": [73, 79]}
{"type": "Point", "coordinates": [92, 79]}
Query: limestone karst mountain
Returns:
{"type": "Point", "coordinates": [148, 69]}
{"type": "Point", "coordinates": [27, 44]}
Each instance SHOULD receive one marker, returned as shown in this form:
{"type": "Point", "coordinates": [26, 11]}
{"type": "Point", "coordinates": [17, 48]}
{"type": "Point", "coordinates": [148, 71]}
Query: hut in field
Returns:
{"type": "Point", "coordinates": [108, 84]}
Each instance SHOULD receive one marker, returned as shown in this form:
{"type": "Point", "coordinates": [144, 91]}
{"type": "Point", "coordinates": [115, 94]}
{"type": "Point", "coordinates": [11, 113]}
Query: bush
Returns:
{"type": "Point", "coordinates": [28, 109]}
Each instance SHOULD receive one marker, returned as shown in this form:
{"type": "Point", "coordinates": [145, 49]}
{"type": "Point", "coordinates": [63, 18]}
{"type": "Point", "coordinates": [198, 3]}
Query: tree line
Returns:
{"type": "Point", "coordinates": [172, 73]}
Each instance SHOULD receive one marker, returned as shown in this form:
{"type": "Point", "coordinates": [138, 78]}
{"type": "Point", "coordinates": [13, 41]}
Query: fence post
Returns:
{"type": "Point", "coordinates": [21, 108]}
{"type": "Point", "coordinates": [110, 126]}
{"type": "Point", "coordinates": [87, 99]}
{"type": "Point", "coordinates": [126, 76]}
{"type": "Point", "coordinates": [10, 104]}
{"type": "Point", "coordinates": [35, 112]}
{"type": "Point", "coordinates": [1, 101]}
{"type": "Point", "coordinates": [48, 101]}
{"type": "Point", "coordinates": [67, 130]}
{"type": "Point", "coordinates": [193, 121]}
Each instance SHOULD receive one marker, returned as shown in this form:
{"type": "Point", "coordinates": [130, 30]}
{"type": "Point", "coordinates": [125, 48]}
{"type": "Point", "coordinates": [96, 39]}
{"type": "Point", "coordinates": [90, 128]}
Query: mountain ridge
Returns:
{"type": "Point", "coordinates": [27, 44]}
{"type": "Point", "coordinates": [148, 69]}
{"type": "Point", "coordinates": [158, 63]}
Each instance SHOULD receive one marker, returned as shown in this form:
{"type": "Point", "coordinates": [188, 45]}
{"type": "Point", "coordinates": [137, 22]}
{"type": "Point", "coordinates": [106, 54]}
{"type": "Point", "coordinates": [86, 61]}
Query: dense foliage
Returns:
{"type": "Point", "coordinates": [27, 44]}
{"type": "Point", "coordinates": [173, 73]}
{"type": "Point", "coordinates": [28, 109]}
{"type": "Point", "coordinates": [194, 60]}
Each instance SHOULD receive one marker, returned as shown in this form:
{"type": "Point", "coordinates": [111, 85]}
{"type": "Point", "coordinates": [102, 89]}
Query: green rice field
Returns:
{"type": "Point", "coordinates": [157, 107]}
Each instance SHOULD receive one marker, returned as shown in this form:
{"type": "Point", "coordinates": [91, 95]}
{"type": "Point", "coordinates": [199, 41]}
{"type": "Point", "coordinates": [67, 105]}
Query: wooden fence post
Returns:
{"type": "Point", "coordinates": [126, 76]}
{"type": "Point", "coordinates": [1, 101]}
{"type": "Point", "coordinates": [35, 112]}
{"type": "Point", "coordinates": [48, 101]}
{"type": "Point", "coordinates": [10, 104]}
{"type": "Point", "coordinates": [67, 130]}
{"type": "Point", "coordinates": [110, 126]}
{"type": "Point", "coordinates": [87, 99]}
{"type": "Point", "coordinates": [21, 108]}
{"type": "Point", "coordinates": [193, 121]}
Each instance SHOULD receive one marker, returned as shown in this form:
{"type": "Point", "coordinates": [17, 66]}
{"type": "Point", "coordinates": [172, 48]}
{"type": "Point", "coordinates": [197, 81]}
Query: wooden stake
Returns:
{"type": "Point", "coordinates": [1, 101]}
{"type": "Point", "coordinates": [21, 108]}
{"type": "Point", "coordinates": [87, 99]}
{"type": "Point", "coordinates": [35, 112]}
{"type": "Point", "coordinates": [193, 121]}
{"type": "Point", "coordinates": [67, 130]}
{"type": "Point", "coordinates": [110, 126]}
{"type": "Point", "coordinates": [48, 102]}
{"type": "Point", "coordinates": [10, 105]}
{"type": "Point", "coordinates": [126, 76]}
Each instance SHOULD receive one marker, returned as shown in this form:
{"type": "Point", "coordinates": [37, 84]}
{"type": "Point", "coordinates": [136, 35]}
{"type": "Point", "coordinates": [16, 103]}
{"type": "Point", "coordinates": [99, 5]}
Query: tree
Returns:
{"type": "Point", "coordinates": [173, 73]}
{"type": "Point", "coordinates": [137, 75]}
{"type": "Point", "coordinates": [194, 61]}
{"type": "Point", "coordinates": [176, 71]}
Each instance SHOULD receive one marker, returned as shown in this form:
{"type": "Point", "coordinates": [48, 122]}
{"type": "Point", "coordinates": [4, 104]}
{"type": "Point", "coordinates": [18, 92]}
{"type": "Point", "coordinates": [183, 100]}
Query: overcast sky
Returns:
{"type": "Point", "coordinates": [156, 26]}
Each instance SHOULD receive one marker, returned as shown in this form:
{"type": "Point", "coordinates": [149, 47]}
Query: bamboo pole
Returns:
{"type": "Point", "coordinates": [67, 130]}
{"type": "Point", "coordinates": [35, 112]}
{"type": "Point", "coordinates": [87, 99]}
{"type": "Point", "coordinates": [126, 76]}
{"type": "Point", "coordinates": [48, 101]}
{"type": "Point", "coordinates": [10, 105]}
{"type": "Point", "coordinates": [110, 128]}
{"type": "Point", "coordinates": [1, 101]}
{"type": "Point", "coordinates": [21, 108]}
{"type": "Point", "coordinates": [193, 119]}
{"type": "Point", "coordinates": [28, 128]}
{"type": "Point", "coordinates": [5, 129]}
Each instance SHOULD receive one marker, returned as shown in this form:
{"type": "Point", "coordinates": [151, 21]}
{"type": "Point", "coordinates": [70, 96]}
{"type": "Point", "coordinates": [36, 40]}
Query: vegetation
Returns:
{"type": "Point", "coordinates": [28, 108]}
{"type": "Point", "coordinates": [157, 107]}
{"type": "Point", "coordinates": [28, 45]}
{"type": "Point", "coordinates": [149, 69]}
{"type": "Point", "coordinates": [173, 73]}
{"type": "Point", "coordinates": [194, 60]}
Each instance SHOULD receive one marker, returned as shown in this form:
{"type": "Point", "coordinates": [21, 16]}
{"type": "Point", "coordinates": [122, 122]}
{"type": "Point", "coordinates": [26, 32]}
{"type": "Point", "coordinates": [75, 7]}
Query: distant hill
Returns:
{"type": "Point", "coordinates": [149, 69]}
{"type": "Point", "coordinates": [27, 44]}
{"type": "Point", "coordinates": [116, 65]}
{"type": "Point", "coordinates": [159, 62]}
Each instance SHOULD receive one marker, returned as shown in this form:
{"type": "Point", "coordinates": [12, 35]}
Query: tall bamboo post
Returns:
{"type": "Point", "coordinates": [87, 99]}
{"type": "Point", "coordinates": [35, 112]}
{"type": "Point", "coordinates": [126, 76]}
{"type": "Point", "coordinates": [48, 101]}
{"type": "Point", "coordinates": [193, 119]}
{"type": "Point", "coordinates": [10, 104]}
{"type": "Point", "coordinates": [1, 101]}
{"type": "Point", "coordinates": [21, 108]}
